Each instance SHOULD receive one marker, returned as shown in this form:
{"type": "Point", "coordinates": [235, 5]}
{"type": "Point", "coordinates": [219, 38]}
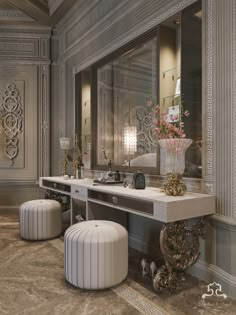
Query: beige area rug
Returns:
{"type": "Point", "coordinates": [32, 283]}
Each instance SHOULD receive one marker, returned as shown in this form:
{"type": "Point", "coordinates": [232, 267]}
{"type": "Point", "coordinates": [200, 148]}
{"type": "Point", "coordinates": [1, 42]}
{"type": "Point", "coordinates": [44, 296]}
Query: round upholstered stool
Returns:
{"type": "Point", "coordinates": [40, 219]}
{"type": "Point", "coordinates": [96, 254]}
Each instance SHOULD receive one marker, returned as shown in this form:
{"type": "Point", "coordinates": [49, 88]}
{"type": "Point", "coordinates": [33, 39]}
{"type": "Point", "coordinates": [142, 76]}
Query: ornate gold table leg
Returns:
{"type": "Point", "coordinates": [180, 248]}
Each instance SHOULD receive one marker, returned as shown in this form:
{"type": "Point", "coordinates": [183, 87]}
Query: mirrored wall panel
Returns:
{"type": "Point", "coordinates": [125, 124]}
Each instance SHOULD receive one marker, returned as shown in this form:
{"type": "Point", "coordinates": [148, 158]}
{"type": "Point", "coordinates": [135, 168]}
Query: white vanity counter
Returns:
{"type": "Point", "coordinates": [150, 202]}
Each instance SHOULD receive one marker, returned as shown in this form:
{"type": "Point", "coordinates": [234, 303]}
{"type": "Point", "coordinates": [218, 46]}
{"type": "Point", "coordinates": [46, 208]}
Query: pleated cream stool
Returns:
{"type": "Point", "coordinates": [40, 219]}
{"type": "Point", "coordinates": [95, 254]}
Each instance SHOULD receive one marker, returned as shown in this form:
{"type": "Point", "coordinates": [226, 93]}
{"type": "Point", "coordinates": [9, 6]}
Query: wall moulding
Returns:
{"type": "Point", "coordinates": [16, 47]}
{"type": "Point", "coordinates": [111, 11]}
{"type": "Point", "coordinates": [22, 31]}
{"type": "Point", "coordinates": [14, 15]}
{"type": "Point", "coordinates": [24, 48]}
{"type": "Point", "coordinates": [44, 125]}
{"type": "Point", "coordinates": [224, 222]}
{"type": "Point", "coordinates": [22, 61]}
{"type": "Point", "coordinates": [227, 280]}
{"type": "Point", "coordinates": [209, 101]}
{"type": "Point", "coordinates": [84, 53]}
{"type": "Point", "coordinates": [234, 116]}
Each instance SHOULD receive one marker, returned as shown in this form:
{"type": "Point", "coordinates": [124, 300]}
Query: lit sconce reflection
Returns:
{"type": "Point", "coordinates": [65, 145]}
{"type": "Point", "coordinates": [129, 141]}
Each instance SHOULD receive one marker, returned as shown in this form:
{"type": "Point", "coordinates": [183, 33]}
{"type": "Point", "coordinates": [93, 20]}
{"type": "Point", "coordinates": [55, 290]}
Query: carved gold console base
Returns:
{"type": "Point", "coordinates": [180, 248]}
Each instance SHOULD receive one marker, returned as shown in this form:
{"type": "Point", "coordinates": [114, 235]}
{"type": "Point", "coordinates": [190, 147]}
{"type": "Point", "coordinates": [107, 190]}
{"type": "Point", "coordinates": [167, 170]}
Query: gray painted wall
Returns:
{"type": "Point", "coordinates": [24, 61]}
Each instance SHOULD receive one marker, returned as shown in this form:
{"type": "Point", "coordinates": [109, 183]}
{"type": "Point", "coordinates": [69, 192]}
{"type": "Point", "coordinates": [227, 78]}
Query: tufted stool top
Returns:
{"type": "Point", "coordinates": [96, 254]}
{"type": "Point", "coordinates": [42, 204]}
{"type": "Point", "coordinates": [40, 219]}
{"type": "Point", "coordinates": [109, 230]}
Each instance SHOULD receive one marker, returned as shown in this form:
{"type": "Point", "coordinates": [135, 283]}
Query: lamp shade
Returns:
{"type": "Point", "coordinates": [130, 140]}
{"type": "Point", "coordinates": [64, 143]}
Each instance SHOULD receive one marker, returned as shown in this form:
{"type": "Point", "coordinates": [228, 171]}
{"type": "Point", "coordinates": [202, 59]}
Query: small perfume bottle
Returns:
{"type": "Point", "coordinates": [117, 175]}
{"type": "Point", "coordinates": [77, 173]}
{"type": "Point", "coordinates": [81, 170]}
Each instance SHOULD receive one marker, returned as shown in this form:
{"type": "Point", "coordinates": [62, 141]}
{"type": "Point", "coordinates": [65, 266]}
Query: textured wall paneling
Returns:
{"type": "Point", "coordinates": [102, 34]}
{"type": "Point", "coordinates": [234, 116]}
{"type": "Point", "coordinates": [62, 119]}
{"type": "Point", "coordinates": [24, 60]}
{"type": "Point", "coordinates": [223, 98]}
{"type": "Point", "coordinates": [220, 145]}
{"type": "Point", "coordinates": [208, 160]}
{"type": "Point", "coordinates": [56, 121]}
{"type": "Point", "coordinates": [27, 49]}
{"type": "Point", "coordinates": [13, 47]}
{"type": "Point", "coordinates": [14, 15]}
{"type": "Point", "coordinates": [44, 120]}
{"type": "Point", "coordinates": [219, 244]}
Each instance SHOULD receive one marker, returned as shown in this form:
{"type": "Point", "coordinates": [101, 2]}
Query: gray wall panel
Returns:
{"type": "Point", "coordinates": [24, 57]}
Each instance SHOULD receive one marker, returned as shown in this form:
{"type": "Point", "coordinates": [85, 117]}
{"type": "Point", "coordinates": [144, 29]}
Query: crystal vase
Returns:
{"type": "Point", "coordinates": [174, 152]}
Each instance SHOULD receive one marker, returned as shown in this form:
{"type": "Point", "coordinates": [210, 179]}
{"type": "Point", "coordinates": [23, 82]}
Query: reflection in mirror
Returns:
{"type": "Point", "coordinates": [191, 84]}
{"type": "Point", "coordinates": [170, 56]}
{"type": "Point", "coordinates": [125, 125]}
{"type": "Point", "coordinates": [86, 118]}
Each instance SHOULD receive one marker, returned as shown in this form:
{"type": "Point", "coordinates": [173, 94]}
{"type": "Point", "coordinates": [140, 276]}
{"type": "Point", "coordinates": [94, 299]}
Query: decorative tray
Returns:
{"type": "Point", "coordinates": [108, 182]}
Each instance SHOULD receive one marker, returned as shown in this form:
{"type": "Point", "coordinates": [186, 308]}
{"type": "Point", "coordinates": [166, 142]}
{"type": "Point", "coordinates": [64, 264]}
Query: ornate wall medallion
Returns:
{"type": "Point", "coordinates": [11, 114]}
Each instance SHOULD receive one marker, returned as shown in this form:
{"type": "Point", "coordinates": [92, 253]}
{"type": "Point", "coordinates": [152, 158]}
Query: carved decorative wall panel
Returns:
{"type": "Point", "coordinates": [14, 15]}
{"type": "Point", "coordinates": [33, 48]}
{"type": "Point", "coordinates": [11, 115]}
{"type": "Point", "coordinates": [16, 47]}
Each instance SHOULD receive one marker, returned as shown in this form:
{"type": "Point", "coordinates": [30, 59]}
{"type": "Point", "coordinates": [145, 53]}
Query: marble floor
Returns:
{"type": "Point", "coordinates": [32, 283]}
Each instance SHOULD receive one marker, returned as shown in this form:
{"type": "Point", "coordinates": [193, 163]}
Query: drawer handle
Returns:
{"type": "Point", "coordinates": [77, 191]}
{"type": "Point", "coordinates": [114, 200]}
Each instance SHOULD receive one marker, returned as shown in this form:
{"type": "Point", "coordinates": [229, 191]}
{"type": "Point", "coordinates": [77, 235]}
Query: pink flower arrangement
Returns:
{"type": "Point", "coordinates": [168, 126]}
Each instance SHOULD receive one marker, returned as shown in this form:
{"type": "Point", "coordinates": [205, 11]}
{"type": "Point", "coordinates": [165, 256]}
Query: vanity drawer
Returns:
{"type": "Point", "coordinates": [127, 203]}
{"type": "Point", "coordinates": [56, 186]}
{"type": "Point", "coordinates": [79, 191]}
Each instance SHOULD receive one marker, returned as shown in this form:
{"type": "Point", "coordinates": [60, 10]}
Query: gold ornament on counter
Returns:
{"type": "Point", "coordinates": [174, 187]}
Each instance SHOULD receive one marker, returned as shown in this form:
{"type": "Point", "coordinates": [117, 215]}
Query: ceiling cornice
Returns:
{"type": "Point", "coordinates": [42, 12]}
{"type": "Point", "coordinates": [32, 10]}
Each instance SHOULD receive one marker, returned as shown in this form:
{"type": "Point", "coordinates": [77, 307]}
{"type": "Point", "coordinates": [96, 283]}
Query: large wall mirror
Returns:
{"type": "Point", "coordinates": [162, 67]}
